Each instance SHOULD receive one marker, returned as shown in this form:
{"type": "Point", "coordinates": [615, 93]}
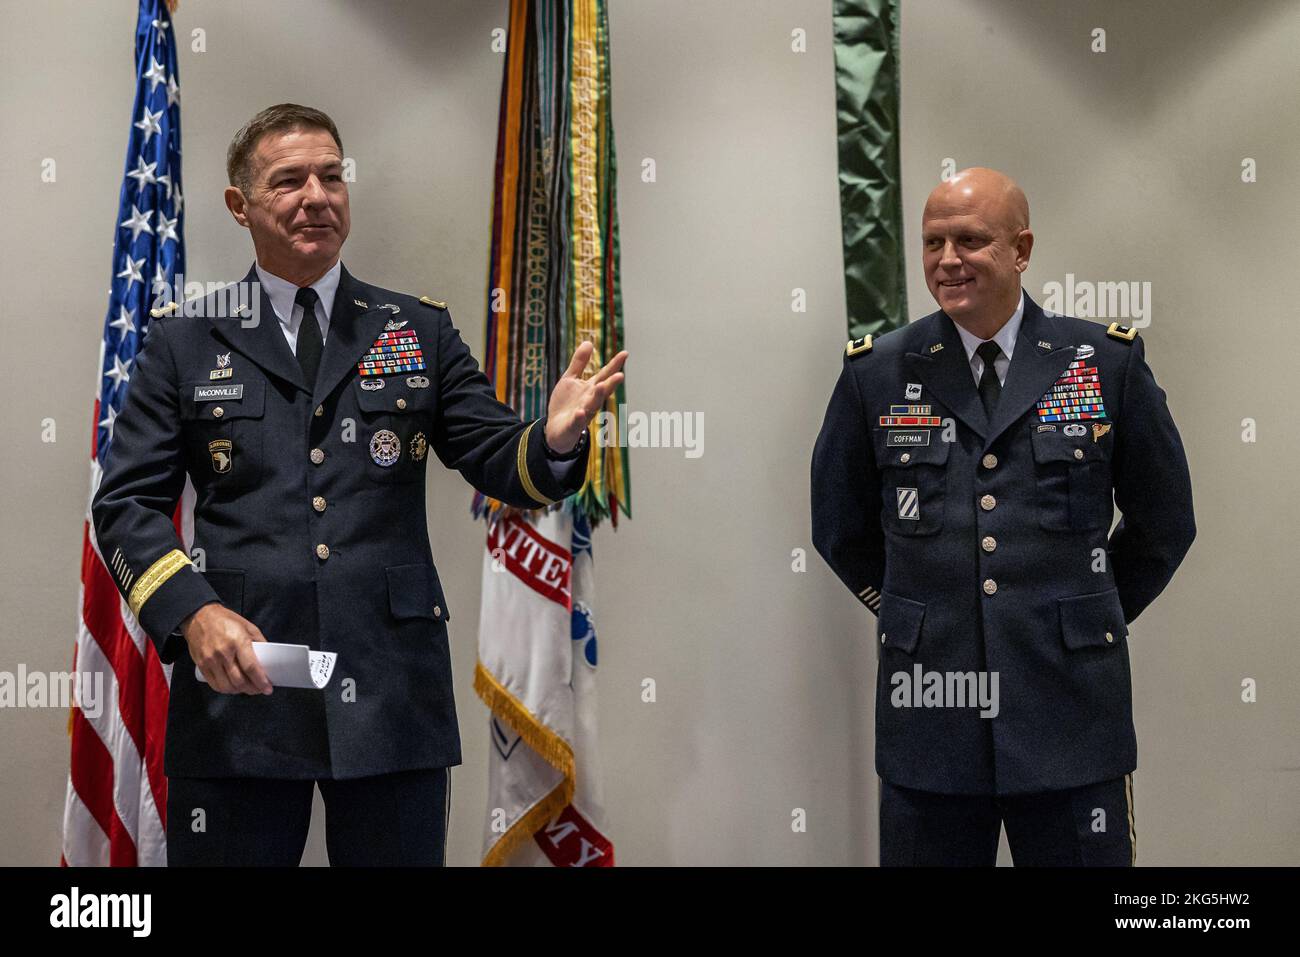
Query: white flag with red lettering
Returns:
{"type": "Point", "coordinates": [537, 672]}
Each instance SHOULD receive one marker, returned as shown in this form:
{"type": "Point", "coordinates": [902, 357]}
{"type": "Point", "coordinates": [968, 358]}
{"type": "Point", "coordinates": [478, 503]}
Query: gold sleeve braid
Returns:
{"type": "Point", "coordinates": [521, 462]}
{"type": "Point", "coordinates": [161, 570]}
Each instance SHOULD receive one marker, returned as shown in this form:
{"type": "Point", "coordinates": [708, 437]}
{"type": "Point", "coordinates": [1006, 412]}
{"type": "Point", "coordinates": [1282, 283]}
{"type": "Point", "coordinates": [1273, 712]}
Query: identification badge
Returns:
{"type": "Point", "coordinates": [385, 447]}
{"type": "Point", "coordinates": [204, 393]}
{"type": "Point", "coordinates": [919, 437]}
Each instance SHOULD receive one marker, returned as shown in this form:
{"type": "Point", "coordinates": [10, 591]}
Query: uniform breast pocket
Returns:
{"type": "Point", "coordinates": [1073, 475]}
{"type": "Point", "coordinates": [914, 480]}
{"type": "Point", "coordinates": [396, 424]}
{"type": "Point", "coordinates": [221, 427]}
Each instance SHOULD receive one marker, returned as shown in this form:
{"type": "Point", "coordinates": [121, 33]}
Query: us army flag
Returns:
{"type": "Point", "coordinates": [537, 672]}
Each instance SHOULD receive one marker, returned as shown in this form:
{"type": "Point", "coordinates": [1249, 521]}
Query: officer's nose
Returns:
{"type": "Point", "coordinates": [313, 193]}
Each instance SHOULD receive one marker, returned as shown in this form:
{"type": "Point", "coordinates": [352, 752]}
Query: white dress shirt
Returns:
{"type": "Point", "coordinates": [282, 293]}
{"type": "Point", "coordinates": [1006, 340]}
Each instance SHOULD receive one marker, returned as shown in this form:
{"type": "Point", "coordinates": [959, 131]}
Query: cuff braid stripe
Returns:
{"type": "Point", "coordinates": [153, 579]}
{"type": "Point", "coordinates": [521, 462]}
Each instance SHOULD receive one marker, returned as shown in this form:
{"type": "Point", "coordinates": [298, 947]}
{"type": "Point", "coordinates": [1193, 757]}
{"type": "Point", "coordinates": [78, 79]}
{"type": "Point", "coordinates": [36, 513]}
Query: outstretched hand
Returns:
{"type": "Point", "coordinates": [575, 399]}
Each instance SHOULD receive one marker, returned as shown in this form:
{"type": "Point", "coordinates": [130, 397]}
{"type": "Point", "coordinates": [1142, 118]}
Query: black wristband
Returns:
{"type": "Point", "coordinates": [570, 455]}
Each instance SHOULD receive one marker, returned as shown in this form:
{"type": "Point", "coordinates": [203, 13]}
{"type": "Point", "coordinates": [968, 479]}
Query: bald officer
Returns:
{"type": "Point", "coordinates": [964, 486]}
{"type": "Point", "coordinates": [306, 417]}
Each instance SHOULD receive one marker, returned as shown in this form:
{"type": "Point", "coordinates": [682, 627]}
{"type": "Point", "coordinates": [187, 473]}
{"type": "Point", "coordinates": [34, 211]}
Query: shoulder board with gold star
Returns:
{"type": "Point", "coordinates": [858, 346]}
{"type": "Point", "coordinates": [1123, 333]}
{"type": "Point", "coordinates": [436, 303]}
{"type": "Point", "coordinates": [165, 310]}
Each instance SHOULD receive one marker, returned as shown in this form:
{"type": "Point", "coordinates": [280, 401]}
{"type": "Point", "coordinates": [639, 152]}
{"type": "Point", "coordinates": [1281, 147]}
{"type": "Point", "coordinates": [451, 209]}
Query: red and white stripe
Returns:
{"type": "Point", "coordinates": [115, 813]}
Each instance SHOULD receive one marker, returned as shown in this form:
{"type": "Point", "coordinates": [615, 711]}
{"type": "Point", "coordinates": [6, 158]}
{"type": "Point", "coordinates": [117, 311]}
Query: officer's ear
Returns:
{"type": "Point", "coordinates": [1024, 245]}
{"type": "Point", "coordinates": [237, 204]}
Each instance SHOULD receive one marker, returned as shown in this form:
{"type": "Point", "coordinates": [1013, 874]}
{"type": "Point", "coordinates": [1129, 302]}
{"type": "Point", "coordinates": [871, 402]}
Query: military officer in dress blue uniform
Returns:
{"type": "Point", "coordinates": [305, 417]}
{"type": "Point", "coordinates": [963, 487]}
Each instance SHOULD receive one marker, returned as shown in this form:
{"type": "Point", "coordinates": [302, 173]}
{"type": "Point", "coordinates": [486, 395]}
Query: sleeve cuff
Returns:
{"type": "Point", "coordinates": [544, 483]}
{"type": "Point", "coordinates": [164, 596]}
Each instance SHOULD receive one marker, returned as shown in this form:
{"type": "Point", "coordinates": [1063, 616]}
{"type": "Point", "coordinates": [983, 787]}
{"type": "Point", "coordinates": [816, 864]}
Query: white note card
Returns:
{"type": "Point", "coordinates": [291, 666]}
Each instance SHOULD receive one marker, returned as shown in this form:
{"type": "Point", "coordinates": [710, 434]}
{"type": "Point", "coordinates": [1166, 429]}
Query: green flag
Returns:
{"type": "Point", "coordinates": [871, 203]}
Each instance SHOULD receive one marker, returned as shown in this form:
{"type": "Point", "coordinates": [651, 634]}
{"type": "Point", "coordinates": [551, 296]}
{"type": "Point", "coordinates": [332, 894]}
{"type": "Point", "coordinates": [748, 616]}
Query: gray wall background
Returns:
{"type": "Point", "coordinates": [1131, 160]}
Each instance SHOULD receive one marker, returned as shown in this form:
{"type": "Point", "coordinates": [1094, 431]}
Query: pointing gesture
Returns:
{"type": "Point", "coordinates": [575, 399]}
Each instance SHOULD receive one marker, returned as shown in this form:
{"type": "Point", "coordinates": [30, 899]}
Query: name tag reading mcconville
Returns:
{"type": "Point", "coordinates": [202, 392]}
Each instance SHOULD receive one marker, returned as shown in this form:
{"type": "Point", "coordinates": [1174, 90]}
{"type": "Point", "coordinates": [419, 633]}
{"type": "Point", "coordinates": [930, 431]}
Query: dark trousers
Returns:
{"type": "Point", "coordinates": [390, 819]}
{"type": "Point", "coordinates": [1089, 826]}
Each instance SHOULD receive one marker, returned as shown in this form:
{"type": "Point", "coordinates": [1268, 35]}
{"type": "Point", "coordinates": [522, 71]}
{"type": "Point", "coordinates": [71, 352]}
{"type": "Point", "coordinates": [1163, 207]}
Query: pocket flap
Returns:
{"type": "Point", "coordinates": [395, 395]}
{"type": "Point", "coordinates": [1093, 621]}
{"type": "Point", "coordinates": [899, 622]}
{"type": "Point", "coordinates": [415, 592]}
{"type": "Point", "coordinates": [1059, 447]}
{"type": "Point", "coordinates": [889, 455]}
{"type": "Point", "coordinates": [228, 583]}
{"type": "Point", "coordinates": [236, 400]}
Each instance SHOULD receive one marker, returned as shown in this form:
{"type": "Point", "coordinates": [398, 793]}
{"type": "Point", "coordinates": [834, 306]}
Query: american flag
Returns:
{"type": "Point", "coordinates": [116, 807]}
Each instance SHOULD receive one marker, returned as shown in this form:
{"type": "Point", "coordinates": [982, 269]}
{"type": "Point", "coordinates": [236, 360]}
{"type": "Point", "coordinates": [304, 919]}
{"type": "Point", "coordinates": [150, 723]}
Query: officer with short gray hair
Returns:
{"type": "Point", "coordinates": [306, 435]}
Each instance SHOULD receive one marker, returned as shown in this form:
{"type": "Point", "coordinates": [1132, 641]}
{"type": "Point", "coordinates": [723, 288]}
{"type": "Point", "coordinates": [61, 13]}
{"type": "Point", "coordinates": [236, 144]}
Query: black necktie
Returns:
{"type": "Point", "coordinates": [990, 387]}
{"type": "Point", "coordinates": [310, 344]}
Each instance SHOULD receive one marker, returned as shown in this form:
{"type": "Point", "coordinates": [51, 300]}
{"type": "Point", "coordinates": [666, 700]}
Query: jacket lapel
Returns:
{"type": "Point", "coordinates": [263, 343]}
{"type": "Point", "coordinates": [946, 371]}
{"type": "Point", "coordinates": [353, 328]}
{"type": "Point", "coordinates": [1042, 354]}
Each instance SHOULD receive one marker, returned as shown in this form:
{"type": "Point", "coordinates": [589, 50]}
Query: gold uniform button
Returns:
{"type": "Point", "coordinates": [318, 503]}
{"type": "Point", "coordinates": [320, 410]}
{"type": "Point", "coordinates": [218, 412]}
{"type": "Point", "coordinates": [990, 586]}
{"type": "Point", "coordinates": [989, 461]}
{"type": "Point", "coordinates": [988, 543]}
{"type": "Point", "coordinates": [437, 611]}
{"type": "Point", "coordinates": [322, 551]}
{"type": "Point", "coordinates": [905, 457]}
{"type": "Point", "coordinates": [988, 503]}
{"type": "Point", "coordinates": [1109, 636]}
{"type": "Point", "coordinates": [317, 456]}
{"type": "Point", "coordinates": [1078, 453]}
{"type": "Point", "coordinates": [401, 403]}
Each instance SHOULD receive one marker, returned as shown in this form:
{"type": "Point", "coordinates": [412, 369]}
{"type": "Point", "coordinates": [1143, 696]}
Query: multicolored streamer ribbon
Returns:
{"type": "Point", "coordinates": [553, 272]}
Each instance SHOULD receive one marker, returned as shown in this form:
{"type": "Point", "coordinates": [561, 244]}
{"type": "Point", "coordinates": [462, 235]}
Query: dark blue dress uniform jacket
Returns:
{"type": "Point", "coordinates": [302, 532]}
{"type": "Point", "coordinates": [1009, 564]}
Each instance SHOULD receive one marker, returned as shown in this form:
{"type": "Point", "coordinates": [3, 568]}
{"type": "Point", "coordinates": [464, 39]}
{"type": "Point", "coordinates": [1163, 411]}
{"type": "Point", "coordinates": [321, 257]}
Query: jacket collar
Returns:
{"type": "Point", "coordinates": [354, 324]}
{"type": "Point", "coordinates": [1043, 351]}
